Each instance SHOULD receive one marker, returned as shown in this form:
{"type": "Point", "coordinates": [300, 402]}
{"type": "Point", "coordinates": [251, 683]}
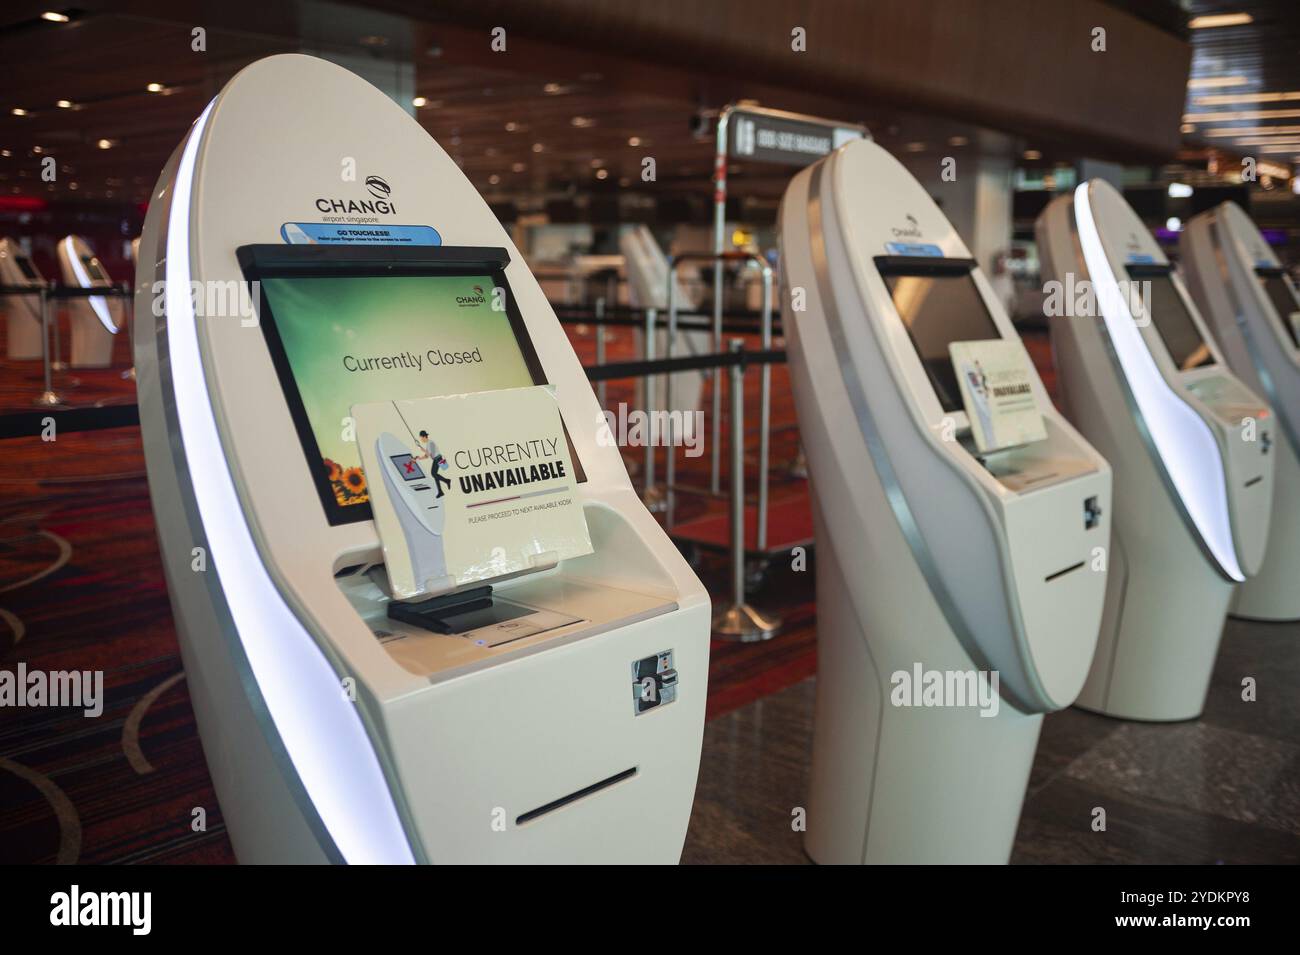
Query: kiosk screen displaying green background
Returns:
{"type": "Point", "coordinates": [343, 340]}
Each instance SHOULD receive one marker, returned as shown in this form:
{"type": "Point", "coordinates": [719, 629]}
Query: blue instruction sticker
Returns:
{"type": "Point", "coordinates": [328, 233]}
{"type": "Point", "coordinates": [1140, 258]}
{"type": "Point", "coordinates": [914, 248]}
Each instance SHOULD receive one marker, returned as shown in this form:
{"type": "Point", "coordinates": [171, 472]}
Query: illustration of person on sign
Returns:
{"type": "Point", "coordinates": [437, 463]}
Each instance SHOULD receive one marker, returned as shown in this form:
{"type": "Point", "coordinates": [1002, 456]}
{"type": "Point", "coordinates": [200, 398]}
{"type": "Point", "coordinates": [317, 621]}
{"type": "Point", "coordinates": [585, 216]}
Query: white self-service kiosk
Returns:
{"type": "Point", "coordinates": [17, 270]}
{"type": "Point", "coordinates": [648, 284]}
{"type": "Point", "coordinates": [94, 320]}
{"type": "Point", "coordinates": [1190, 445]}
{"type": "Point", "coordinates": [334, 731]}
{"type": "Point", "coordinates": [1252, 310]}
{"type": "Point", "coordinates": [934, 560]}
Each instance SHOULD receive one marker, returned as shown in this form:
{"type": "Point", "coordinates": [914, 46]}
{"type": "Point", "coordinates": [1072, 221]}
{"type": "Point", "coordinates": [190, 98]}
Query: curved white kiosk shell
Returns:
{"type": "Point", "coordinates": [24, 311]}
{"type": "Point", "coordinates": [931, 556]}
{"type": "Point", "coordinates": [94, 320]}
{"type": "Point", "coordinates": [1189, 444]}
{"type": "Point", "coordinates": [1251, 307]}
{"type": "Point", "coordinates": [535, 749]}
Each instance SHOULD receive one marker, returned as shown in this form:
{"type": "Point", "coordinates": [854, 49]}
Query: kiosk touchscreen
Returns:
{"type": "Point", "coordinates": [959, 590]}
{"type": "Point", "coordinates": [17, 270]}
{"type": "Point", "coordinates": [95, 320]}
{"type": "Point", "coordinates": [555, 716]}
{"type": "Point", "coordinates": [1251, 307]}
{"type": "Point", "coordinates": [1190, 444]}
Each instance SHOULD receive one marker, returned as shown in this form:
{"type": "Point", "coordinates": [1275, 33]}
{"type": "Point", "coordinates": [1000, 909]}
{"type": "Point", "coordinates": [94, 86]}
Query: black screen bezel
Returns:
{"type": "Point", "coordinates": [1140, 271]}
{"type": "Point", "coordinates": [259, 262]}
{"type": "Point", "coordinates": [899, 266]}
{"type": "Point", "coordinates": [1264, 275]}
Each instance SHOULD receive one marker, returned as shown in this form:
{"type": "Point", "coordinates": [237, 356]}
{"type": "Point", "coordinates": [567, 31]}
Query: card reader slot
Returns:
{"type": "Point", "coordinates": [563, 801]}
{"type": "Point", "coordinates": [1255, 480]}
{"type": "Point", "coordinates": [1061, 573]}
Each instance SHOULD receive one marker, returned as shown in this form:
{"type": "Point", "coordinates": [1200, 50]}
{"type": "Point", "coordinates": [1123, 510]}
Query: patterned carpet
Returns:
{"type": "Point", "coordinates": [81, 587]}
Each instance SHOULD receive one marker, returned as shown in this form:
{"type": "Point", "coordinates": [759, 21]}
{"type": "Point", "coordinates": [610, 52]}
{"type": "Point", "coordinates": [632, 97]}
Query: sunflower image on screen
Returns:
{"type": "Point", "coordinates": [414, 480]}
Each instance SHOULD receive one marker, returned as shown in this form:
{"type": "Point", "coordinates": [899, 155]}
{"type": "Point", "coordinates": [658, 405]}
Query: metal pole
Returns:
{"type": "Point", "coordinates": [58, 364]}
{"type": "Point", "coordinates": [740, 621]}
{"type": "Point", "coordinates": [651, 495]}
{"type": "Point", "coordinates": [128, 306]}
{"type": "Point", "coordinates": [719, 239]}
{"type": "Point", "coordinates": [49, 397]}
{"type": "Point", "coordinates": [765, 412]}
{"type": "Point", "coordinates": [670, 468]}
{"type": "Point", "coordinates": [600, 348]}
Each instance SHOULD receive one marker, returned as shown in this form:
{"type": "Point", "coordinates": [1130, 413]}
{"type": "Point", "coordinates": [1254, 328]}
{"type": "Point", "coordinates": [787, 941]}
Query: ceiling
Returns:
{"type": "Point", "coordinates": [1236, 66]}
{"type": "Point", "coordinates": [548, 121]}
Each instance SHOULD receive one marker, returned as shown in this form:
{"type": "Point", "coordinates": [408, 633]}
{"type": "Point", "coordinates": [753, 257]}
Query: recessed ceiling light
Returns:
{"type": "Point", "coordinates": [1220, 20]}
{"type": "Point", "coordinates": [634, 140]}
{"type": "Point", "coordinates": [582, 122]}
{"type": "Point", "coordinates": [1179, 190]}
{"type": "Point", "coordinates": [55, 17]}
{"type": "Point", "coordinates": [1216, 82]}
{"type": "Point", "coordinates": [419, 101]}
{"type": "Point", "coordinates": [1224, 99]}
{"type": "Point", "coordinates": [106, 143]}
{"type": "Point", "coordinates": [602, 173]}
{"type": "Point", "coordinates": [64, 104]}
{"type": "Point", "coordinates": [18, 111]}
{"type": "Point", "coordinates": [1243, 114]}
{"type": "Point", "coordinates": [597, 163]}
{"type": "Point", "coordinates": [957, 140]}
{"type": "Point", "coordinates": [512, 127]}
{"type": "Point", "coordinates": [518, 167]}
{"type": "Point", "coordinates": [538, 147]}
{"type": "Point", "coordinates": [494, 179]}
{"type": "Point", "coordinates": [915, 147]}
{"type": "Point", "coordinates": [552, 89]}
{"type": "Point", "coordinates": [1032, 154]}
{"type": "Point", "coordinates": [6, 153]}
{"type": "Point", "coordinates": [155, 87]}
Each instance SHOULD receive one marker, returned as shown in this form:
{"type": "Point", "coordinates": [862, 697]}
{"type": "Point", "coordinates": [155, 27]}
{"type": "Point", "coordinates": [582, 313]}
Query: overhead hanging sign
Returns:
{"type": "Point", "coordinates": [789, 138]}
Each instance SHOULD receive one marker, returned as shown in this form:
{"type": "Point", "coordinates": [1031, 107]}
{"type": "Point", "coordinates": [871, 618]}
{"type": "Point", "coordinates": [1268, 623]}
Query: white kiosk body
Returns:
{"type": "Point", "coordinates": [1190, 445]}
{"type": "Point", "coordinates": [95, 320]}
{"type": "Point", "coordinates": [647, 277]}
{"type": "Point", "coordinates": [534, 741]}
{"type": "Point", "coordinates": [932, 558]}
{"type": "Point", "coordinates": [1251, 307]}
{"type": "Point", "coordinates": [24, 311]}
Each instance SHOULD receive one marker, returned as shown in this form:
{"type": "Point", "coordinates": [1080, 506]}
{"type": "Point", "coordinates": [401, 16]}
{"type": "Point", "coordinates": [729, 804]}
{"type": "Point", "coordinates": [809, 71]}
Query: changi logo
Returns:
{"type": "Point", "coordinates": [913, 228]}
{"type": "Point", "coordinates": [381, 205]}
{"type": "Point", "coordinates": [479, 297]}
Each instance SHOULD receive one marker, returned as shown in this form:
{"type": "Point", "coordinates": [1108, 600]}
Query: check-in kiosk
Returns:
{"type": "Point", "coordinates": [1251, 307]}
{"type": "Point", "coordinates": [935, 559]}
{"type": "Point", "coordinates": [334, 731]}
{"type": "Point", "coordinates": [17, 270]}
{"type": "Point", "coordinates": [1139, 375]}
{"type": "Point", "coordinates": [94, 320]}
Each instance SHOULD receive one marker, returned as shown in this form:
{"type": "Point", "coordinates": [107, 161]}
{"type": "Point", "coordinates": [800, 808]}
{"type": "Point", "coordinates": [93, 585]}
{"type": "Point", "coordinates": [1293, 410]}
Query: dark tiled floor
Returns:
{"type": "Point", "coordinates": [1224, 788]}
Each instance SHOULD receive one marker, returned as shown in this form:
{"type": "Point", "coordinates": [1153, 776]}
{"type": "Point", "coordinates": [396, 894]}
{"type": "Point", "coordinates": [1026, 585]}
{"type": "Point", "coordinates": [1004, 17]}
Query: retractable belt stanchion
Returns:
{"type": "Point", "coordinates": [652, 496]}
{"type": "Point", "coordinates": [740, 621]}
{"type": "Point", "coordinates": [600, 350]}
{"type": "Point", "coordinates": [49, 397]}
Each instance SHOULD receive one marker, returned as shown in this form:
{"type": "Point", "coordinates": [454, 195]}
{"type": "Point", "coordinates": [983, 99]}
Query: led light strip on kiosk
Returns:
{"type": "Point", "coordinates": [340, 722]}
{"type": "Point", "coordinates": [1190, 445]}
{"type": "Point", "coordinates": [1248, 300]}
